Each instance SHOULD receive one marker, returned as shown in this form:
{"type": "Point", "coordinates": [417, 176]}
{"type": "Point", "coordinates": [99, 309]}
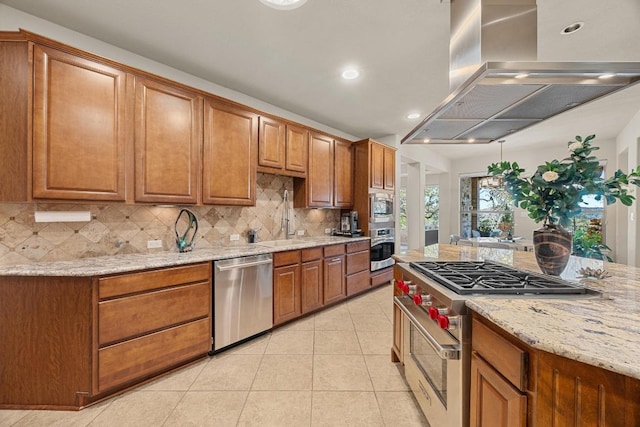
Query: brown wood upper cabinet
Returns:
{"type": "Point", "coordinates": [282, 148]}
{"type": "Point", "coordinates": [329, 182]}
{"type": "Point", "coordinates": [79, 127]}
{"type": "Point", "coordinates": [229, 154]}
{"type": "Point", "coordinates": [168, 137]}
{"type": "Point", "coordinates": [382, 171]}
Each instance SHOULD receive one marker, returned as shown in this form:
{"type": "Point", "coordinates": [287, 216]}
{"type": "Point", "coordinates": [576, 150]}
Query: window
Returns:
{"type": "Point", "coordinates": [431, 207]}
{"type": "Point", "coordinates": [484, 211]}
{"type": "Point", "coordinates": [588, 234]}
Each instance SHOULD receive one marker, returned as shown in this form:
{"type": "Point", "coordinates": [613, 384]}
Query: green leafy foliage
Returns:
{"type": "Point", "coordinates": [553, 193]}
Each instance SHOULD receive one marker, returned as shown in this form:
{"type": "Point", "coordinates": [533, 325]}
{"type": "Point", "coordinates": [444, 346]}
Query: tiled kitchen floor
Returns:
{"type": "Point", "coordinates": [329, 369]}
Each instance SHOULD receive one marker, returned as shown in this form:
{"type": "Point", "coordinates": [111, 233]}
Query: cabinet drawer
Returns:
{"type": "Point", "coordinates": [139, 282]}
{"type": "Point", "coordinates": [382, 276]}
{"type": "Point", "coordinates": [311, 254]}
{"type": "Point", "coordinates": [503, 355]}
{"type": "Point", "coordinates": [360, 261]}
{"type": "Point", "coordinates": [121, 363]}
{"type": "Point", "coordinates": [358, 246]}
{"type": "Point", "coordinates": [357, 282]}
{"type": "Point", "coordinates": [333, 250]}
{"type": "Point", "coordinates": [127, 317]}
{"type": "Point", "coordinates": [286, 258]}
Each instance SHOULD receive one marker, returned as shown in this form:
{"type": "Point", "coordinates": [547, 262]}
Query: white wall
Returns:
{"type": "Point", "coordinates": [13, 20]}
{"type": "Point", "coordinates": [629, 140]}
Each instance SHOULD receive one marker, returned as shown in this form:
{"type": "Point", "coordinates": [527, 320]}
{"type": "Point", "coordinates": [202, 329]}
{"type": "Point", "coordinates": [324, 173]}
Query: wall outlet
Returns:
{"type": "Point", "coordinates": [154, 244]}
{"type": "Point", "coordinates": [300, 232]}
{"type": "Point", "coordinates": [234, 237]}
{"type": "Point", "coordinates": [327, 231]}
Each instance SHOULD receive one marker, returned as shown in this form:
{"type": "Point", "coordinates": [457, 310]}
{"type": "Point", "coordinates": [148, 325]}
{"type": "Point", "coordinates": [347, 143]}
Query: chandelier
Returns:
{"type": "Point", "coordinates": [493, 181]}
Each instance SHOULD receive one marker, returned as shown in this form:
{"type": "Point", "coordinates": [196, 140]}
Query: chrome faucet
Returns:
{"type": "Point", "coordinates": [286, 216]}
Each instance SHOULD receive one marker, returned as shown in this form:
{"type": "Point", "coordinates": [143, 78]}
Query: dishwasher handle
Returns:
{"type": "Point", "coordinates": [244, 265]}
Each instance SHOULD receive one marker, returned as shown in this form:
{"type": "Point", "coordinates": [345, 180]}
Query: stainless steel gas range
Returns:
{"type": "Point", "coordinates": [436, 332]}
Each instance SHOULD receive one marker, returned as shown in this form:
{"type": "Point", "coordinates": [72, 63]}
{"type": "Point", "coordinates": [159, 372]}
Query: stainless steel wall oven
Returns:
{"type": "Point", "coordinates": [382, 247]}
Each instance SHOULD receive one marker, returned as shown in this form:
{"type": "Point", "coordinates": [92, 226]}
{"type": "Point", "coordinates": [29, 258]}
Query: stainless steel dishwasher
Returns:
{"type": "Point", "coordinates": [242, 299]}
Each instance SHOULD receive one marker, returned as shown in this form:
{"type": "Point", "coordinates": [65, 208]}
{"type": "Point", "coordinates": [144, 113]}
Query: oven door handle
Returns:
{"type": "Point", "coordinates": [446, 351]}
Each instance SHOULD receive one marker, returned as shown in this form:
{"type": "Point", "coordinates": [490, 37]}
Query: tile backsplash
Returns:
{"type": "Point", "coordinates": [121, 229]}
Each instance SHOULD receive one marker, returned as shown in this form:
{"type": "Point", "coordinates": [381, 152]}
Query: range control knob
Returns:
{"type": "Point", "coordinates": [422, 299]}
{"type": "Point", "coordinates": [443, 321]}
{"type": "Point", "coordinates": [402, 286]}
{"type": "Point", "coordinates": [434, 312]}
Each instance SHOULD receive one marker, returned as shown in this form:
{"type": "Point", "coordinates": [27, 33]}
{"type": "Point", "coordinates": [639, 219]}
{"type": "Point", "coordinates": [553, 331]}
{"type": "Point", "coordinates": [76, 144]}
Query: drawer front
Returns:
{"type": "Point", "coordinates": [127, 317]}
{"type": "Point", "coordinates": [357, 282]}
{"type": "Point", "coordinates": [382, 277]}
{"type": "Point", "coordinates": [286, 258]}
{"type": "Point", "coordinates": [503, 355]}
{"type": "Point", "coordinates": [358, 246]}
{"type": "Point", "coordinates": [139, 282]}
{"type": "Point", "coordinates": [121, 363]}
{"type": "Point", "coordinates": [360, 261]}
{"type": "Point", "coordinates": [311, 254]}
{"type": "Point", "coordinates": [333, 250]}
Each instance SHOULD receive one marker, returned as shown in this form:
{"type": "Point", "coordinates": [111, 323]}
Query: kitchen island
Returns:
{"type": "Point", "coordinates": [580, 353]}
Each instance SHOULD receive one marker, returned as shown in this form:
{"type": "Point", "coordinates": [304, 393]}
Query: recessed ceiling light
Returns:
{"type": "Point", "coordinates": [572, 28]}
{"type": "Point", "coordinates": [350, 74]}
{"type": "Point", "coordinates": [606, 76]}
{"type": "Point", "coordinates": [426, 140]}
{"type": "Point", "coordinates": [413, 116]}
{"type": "Point", "coordinates": [471, 140]}
{"type": "Point", "coordinates": [284, 4]}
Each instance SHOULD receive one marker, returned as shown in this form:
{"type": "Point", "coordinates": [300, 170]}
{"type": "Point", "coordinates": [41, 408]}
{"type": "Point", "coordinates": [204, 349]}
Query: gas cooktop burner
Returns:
{"type": "Point", "coordinates": [486, 277]}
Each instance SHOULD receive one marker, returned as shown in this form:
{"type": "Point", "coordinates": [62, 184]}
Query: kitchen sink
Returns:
{"type": "Point", "coordinates": [282, 242]}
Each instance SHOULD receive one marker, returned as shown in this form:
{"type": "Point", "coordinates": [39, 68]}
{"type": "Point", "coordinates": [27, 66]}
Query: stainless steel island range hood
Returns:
{"type": "Point", "coordinates": [496, 85]}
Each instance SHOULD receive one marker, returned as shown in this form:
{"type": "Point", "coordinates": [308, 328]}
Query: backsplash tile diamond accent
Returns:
{"type": "Point", "coordinates": [122, 229]}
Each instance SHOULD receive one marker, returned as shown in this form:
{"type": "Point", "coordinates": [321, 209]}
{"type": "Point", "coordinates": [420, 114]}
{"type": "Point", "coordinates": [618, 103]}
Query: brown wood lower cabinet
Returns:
{"type": "Point", "coordinates": [71, 341]}
{"type": "Point", "coordinates": [358, 264]}
{"type": "Point", "coordinates": [286, 286]}
{"type": "Point", "coordinates": [513, 384]}
{"type": "Point", "coordinates": [334, 271]}
{"type": "Point", "coordinates": [311, 280]}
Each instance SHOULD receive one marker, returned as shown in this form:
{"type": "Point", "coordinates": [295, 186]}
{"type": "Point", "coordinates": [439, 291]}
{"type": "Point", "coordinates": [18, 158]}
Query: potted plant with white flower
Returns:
{"type": "Point", "coordinates": [554, 192]}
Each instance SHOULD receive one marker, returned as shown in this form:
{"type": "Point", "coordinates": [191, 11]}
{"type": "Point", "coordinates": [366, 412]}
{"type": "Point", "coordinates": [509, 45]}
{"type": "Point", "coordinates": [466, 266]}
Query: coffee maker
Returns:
{"type": "Point", "coordinates": [349, 224]}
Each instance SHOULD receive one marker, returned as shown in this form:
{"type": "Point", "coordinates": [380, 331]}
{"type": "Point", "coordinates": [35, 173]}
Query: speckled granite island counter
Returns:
{"type": "Point", "coordinates": [602, 332]}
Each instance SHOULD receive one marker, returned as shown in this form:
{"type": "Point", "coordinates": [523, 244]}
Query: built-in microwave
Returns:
{"type": "Point", "coordinates": [381, 207]}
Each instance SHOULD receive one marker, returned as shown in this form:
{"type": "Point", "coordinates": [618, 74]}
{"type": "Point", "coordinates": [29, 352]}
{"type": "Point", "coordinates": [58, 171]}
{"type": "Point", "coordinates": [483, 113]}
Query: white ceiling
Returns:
{"type": "Point", "coordinates": [293, 59]}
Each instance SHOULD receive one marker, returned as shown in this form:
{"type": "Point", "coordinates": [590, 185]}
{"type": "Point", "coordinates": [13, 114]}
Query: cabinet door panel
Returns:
{"type": "Point", "coordinates": [79, 129]}
{"type": "Point", "coordinates": [311, 285]}
{"type": "Point", "coordinates": [376, 168]}
{"type": "Point", "coordinates": [389, 169]}
{"type": "Point", "coordinates": [286, 293]}
{"type": "Point", "coordinates": [334, 280]}
{"type": "Point", "coordinates": [320, 174]}
{"type": "Point", "coordinates": [343, 175]}
{"type": "Point", "coordinates": [494, 401]}
{"type": "Point", "coordinates": [168, 135]}
{"type": "Point", "coordinates": [297, 149]}
{"type": "Point", "coordinates": [271, 144]}
{"type": "Point", "coordinates": [229, 159]}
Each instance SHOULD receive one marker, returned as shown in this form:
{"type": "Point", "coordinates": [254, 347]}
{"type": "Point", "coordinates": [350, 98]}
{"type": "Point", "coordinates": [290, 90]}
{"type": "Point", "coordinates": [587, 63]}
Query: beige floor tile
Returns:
{"type": "Point", "coordinates": [10, 417]}
{"type": "Point", "coordinates": [284, 372]}
{"type": "Point", "coordinates": [228, 372]}
{"type": "Point", "coordinates": [364, 306]}
{"type": "Point", "coordinates": [277, 409]}
{"type": "Point", "coordinates": [305, 324]}
{"type": "Point", "coordinates": [139, 409]}
{"type": "Point", "coordinates": [340, 372]}
{"type": "Point", "coordinates": [345, 408]}
{"type": "Point", "coordinates": [58, 418]}
{"type": "Point", "coordinates": [255, 346]}
{"type": "Point", "coordinates": [208, 408]}
{"type": "Point", "coordinates": [180, 380]}
{"type": "Point", "coordinates": [371, 322]}
{"type": "Point", "coordinates": [375, 342]}
{"type": "Point", "coordinates": [336, 342]}
{"type": "Point", "coordinates": [384, 374]}
{"type": "Point", "coordinates": [399, 409]}
{"type": "Point", "coordinates": [333, 321]}
{"type": "Point", "coordinates": [290, 342]}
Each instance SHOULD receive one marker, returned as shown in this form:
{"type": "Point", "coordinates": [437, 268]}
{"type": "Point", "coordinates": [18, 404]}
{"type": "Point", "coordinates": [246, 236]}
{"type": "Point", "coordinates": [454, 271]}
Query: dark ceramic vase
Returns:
{"type": "Point", "coordinates": [552, 246]}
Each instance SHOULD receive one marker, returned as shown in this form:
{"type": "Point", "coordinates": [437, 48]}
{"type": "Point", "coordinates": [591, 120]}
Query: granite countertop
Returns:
{"type": "Point", "coordinates": [601, 331]}
{"type": "Point", "coordinates": [103, 265]}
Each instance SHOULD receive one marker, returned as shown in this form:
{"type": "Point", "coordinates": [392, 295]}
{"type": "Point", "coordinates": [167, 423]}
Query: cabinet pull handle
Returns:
{"type": "Point", "coordinates": [335, 260]}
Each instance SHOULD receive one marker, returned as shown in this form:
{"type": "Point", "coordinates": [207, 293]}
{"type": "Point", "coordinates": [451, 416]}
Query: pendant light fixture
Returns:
{"type": "Point", "coordinates": [284, 4]}
{"type": "Point", "coordinates": [493, 181]}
